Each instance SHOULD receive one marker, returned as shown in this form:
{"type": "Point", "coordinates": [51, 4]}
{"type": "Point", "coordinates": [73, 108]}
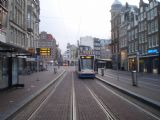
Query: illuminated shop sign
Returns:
{"type": "Point", "coordinates": [153, 51]}
{"type": "Point", "coordinates": [86, 57]}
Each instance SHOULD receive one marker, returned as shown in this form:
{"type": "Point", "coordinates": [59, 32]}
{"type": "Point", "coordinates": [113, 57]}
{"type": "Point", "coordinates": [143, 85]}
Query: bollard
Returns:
{"type": "Point", "coordinates": [102, 71]}
{"type": "Point", "coordinates": [134, 78]}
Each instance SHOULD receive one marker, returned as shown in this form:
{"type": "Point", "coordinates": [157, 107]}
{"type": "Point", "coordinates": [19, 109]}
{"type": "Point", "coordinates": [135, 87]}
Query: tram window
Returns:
{"type": "Point", "coordinates": [87, 63]}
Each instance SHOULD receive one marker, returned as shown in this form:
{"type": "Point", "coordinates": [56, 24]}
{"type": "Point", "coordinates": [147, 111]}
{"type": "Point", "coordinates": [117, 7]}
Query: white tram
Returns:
{"type": "Point", "coordinates": [85, 66]}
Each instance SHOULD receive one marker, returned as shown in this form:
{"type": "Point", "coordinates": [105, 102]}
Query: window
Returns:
{"type": "Point", "coordinates": [141, 9]}
{"type": "Point", "coordinates": [149, 42]}
{"type": "Point", "coordinates": [145, 36]}
{"type": "Point", "coordinates": [152, 13]}
{"type": "Point", "coordinates": [142, 49]}
{"type": "Point", "coordinates": [154, 41]}
{"type": "Point", "coordinates": [136, 33]}
{"type": "Point", "coordinates": [152, 26]}
{"type": "Point", "coordinates": [146, 48]}
{"type": "Point", "coordinates": [145, 25]}
{"type": "Point", "coordinates": [156, 25]}
{"type": "Point", "coordinates": [132, 34]}
{"type": "Point", "coordinates": [129, 48]}
{"type": "Point", "coordinates": [144, 14]}
{"type": "Point", "coordinates": [151, 5]}
{"type": "Point", "coordinates": [136, 46]}
{"type": "Point", "coordinates": [140, 38]}
{"type": "Point", "coordinates": [155, 11]}
{"type": "Point", "coordinates": [148, 18]}
{"type": "Point", "coordinates": [12, 34]}
{"type": "Point", "coordinates": [149, 28]}
{"type": "Point", "coordinates": [142, 17]}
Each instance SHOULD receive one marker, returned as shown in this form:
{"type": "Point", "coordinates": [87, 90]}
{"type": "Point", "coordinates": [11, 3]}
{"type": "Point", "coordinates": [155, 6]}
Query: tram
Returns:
{"type": "Point", "coordinates": [85, 66]}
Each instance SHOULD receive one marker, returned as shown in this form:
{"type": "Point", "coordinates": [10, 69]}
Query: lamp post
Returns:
{"type": "Point", "coordinates": [137, 57]}
{"type": "Point", "coordinates": [117, 63]}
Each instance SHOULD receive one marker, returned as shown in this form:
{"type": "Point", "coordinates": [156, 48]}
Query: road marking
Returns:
{"type": "Point", "coordinates": [48, 96]}
{"type": "Point", "coordinates": [123, 98]}
{"type": "Point", "coordinates": [107, 112]}
{"type": "Point", "coordinates": [73, 100]}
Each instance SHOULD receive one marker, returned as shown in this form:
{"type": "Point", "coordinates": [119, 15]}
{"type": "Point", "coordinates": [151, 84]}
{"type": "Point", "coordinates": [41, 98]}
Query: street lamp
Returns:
{"type": "Point", "coordinates": [117, 63]}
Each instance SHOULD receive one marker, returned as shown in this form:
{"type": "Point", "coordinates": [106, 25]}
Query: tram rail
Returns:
{"type": "Point", "coordinates": [35, 101]}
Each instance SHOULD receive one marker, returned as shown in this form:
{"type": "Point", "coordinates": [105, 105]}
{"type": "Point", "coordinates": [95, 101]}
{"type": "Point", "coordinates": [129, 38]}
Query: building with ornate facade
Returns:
{"type": "Point", "coordinates": [115, 24]}
{"type": "Point", "coordinates": [137, 36]}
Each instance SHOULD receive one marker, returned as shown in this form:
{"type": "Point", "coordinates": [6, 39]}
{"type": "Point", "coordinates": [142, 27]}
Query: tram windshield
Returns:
{"type": "Point", "coordinates": [86, 63]}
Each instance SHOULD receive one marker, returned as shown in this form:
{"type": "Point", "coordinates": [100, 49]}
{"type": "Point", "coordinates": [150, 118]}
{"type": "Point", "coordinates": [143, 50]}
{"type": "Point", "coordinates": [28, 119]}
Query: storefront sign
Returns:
{"type": "Point", "coordinates": [153, 51]}
{"type": "Point", "coordinates": [31, 50]}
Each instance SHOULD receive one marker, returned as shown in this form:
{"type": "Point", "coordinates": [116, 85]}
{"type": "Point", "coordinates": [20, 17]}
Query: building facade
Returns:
{"type": "Point", "coordinates": [33, 12]}
{"type": "Point", "coordinates": [152, 58]}
{"type": "Point", "coordinates": [128, 34]}
{"type": "Point", "coordinates": [105, 51]}
{"type": "Point", "coordinates": [115, 23]}
{"type": "Point", "coordinates": [14, 44]}
{"type": "Point", "coordinates": [133, 41]}
{"type": "Point", "coordinates": [47, 41]}
{"type": "Point", "coordinates": [139, 36]}
{"type": "Point", "coordinates": [70, 54]}
{"type": "Point", "coordinates": [3, 32]}
{"type": "Point", "coordinates": [94, 43]}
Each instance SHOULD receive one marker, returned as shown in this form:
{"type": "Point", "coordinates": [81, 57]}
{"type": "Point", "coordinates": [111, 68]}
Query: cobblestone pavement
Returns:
{"type": "Point", "coordinates": [87, 108]}
{"type": "Point", "coordinates": [121, 108]}
{"type": "Point", "coordinates": [58, 106]}
{"type": "Point", "coordinates": [12, 98]}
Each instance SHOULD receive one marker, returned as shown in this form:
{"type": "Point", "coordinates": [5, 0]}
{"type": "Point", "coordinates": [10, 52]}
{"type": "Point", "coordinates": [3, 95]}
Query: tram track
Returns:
{"type": "Point", "coordinates": [107, 112]}
{"type": "Point", "coordinates": [73, 101]}
{"type": "Point", "coordinates": [86, 100]}
{"type": "Point", "coordinates": [130, 102]}
{"type": "Point", "coordinates": [29, 109]}
{"type": "Point", "coordinates": [82, 99]}
{"type": "Point", "coordinates": [103, 102]}
{"type": "Point", "coordinates": [45, 100]}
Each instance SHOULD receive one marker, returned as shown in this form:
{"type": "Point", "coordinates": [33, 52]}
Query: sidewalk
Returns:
{"type": "Point", "coordinates": [14, 97]}
{"type": "Point", "coordinates": [144, 90]}
{"type": "Point", "coordinates": [140, 74]}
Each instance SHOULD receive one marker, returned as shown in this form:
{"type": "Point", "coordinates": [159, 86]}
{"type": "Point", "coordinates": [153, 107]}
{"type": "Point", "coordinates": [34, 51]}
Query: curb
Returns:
{"type": "Point", "coordinates": [148, 101]}
{"type": "Point", "coordinates": [30, 98]}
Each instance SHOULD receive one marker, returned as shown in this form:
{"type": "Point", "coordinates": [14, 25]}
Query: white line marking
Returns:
{"type": "Point", "coordinates": [142, 109]}
{"type": "Point", "coordinates": [74, 101]}
{"type": "Point", "coordinates": [102, 105]}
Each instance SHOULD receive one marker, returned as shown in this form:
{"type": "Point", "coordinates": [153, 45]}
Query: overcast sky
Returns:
{"type": "Point", "coordinates": [68, 20]}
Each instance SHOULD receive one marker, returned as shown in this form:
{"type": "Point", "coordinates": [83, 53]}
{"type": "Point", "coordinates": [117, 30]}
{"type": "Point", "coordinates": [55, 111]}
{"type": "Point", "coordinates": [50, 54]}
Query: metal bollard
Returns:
{"type": "Point", "coordinates": [102, 71]}
{"type": "Point", "coordinates": [134, 78]}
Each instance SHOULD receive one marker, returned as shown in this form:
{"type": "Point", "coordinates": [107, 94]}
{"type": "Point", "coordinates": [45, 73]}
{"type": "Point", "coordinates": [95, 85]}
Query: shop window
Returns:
{"type": "Point", "coordinates": [155, 65]}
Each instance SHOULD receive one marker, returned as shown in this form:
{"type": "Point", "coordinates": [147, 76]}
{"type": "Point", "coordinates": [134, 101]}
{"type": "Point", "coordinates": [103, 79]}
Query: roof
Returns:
{"type": "Point", "coordinates": [117, 2]}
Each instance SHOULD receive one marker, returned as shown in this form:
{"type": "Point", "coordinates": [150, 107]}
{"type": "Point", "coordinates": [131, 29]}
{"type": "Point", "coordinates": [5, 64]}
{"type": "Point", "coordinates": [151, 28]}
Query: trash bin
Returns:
{"type": "Point", "coordinates": [102, 71]}
{"type": "Point", "coordinates": [134, 78]}
{"type": "Point", "coordinates": [55, 70]}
